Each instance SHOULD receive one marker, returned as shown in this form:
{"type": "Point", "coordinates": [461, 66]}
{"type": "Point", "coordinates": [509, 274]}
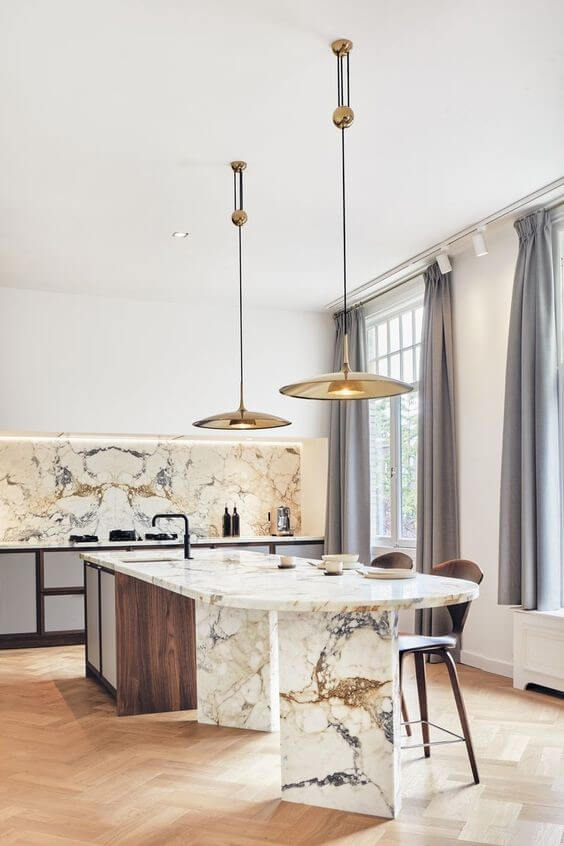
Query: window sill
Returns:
{"type": "Point", "coordinates": [558, 613]}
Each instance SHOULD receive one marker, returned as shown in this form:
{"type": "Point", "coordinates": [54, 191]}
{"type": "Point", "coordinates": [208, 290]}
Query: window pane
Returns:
{"type": "Point", "coordinates": [395, 366]}
{"type": "Point", "coordinates": [380, 493]}
{"type": "Point", "coordinates": [417, 351]}
{"type": "Point", "coordinates": [371, 338]}
{"type": "Point", "coordinates": [383, 366]}
{"type": "Point", "coordinates": [394, 334]}
{"type": "Point", "coordinates": [382, 338]}
{"type": "Point", "coordinates": [407, 374]}
{"type": "Point", "coordinates": [408, 465]}
{"type": "Point", "coordinates": [418, 324]}
{"type": "Point", "coordinates": [407, 329]}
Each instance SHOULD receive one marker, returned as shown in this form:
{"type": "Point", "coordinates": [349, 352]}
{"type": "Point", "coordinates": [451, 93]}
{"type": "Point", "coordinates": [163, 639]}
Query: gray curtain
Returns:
{"type": "Point", "coordinates": [348, 484]}
{"type": "Point", "coordinates": [529, 535]}
{"type": "Point", "coordinates": [437, 494]}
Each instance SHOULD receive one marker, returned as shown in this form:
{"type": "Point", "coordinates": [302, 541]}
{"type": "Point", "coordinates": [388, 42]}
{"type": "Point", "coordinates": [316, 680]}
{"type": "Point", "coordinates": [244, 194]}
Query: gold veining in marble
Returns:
{"type": "Point", "coordinates": [51, 488]}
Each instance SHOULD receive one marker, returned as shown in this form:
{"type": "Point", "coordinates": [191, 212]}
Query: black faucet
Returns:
{"type": "Point", "coordinates": [187, 555]}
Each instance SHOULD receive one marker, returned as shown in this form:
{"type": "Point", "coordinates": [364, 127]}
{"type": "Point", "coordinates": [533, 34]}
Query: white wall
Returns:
{"type": "Point", "coordinates": [482, 290]}
{"type": "Point", "coordinates": [315, 455]}
{"type": "Point", "coordinates": [78, 363]}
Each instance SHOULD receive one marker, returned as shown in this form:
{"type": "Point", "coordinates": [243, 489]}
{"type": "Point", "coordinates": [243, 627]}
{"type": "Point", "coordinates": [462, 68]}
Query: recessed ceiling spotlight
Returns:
{"type": "Point", "coordinates": [180, 234]}
{"type": "Point", "coordinates": [479, 241]}
{"type": "Point", "coordinates": [444, 262]}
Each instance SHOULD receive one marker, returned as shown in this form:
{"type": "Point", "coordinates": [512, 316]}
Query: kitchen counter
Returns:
{"type": "Point", "coordinates": [42, 583]}
{"type": "Point", "coordinates": [311, 655]}
{"type": "Point", "coordinates": [195, 541]}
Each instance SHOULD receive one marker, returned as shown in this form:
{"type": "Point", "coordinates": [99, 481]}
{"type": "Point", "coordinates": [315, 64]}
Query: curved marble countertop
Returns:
{"type": "Point", "coordinates": [243, 579]}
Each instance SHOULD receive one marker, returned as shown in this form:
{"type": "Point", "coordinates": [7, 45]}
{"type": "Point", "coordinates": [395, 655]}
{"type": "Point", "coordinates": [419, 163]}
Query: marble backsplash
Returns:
{"type": "Point", "coordinates": [50, 488]}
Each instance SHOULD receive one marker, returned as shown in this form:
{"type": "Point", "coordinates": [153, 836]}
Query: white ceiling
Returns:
{"type": "Point", "coordinates": [119, 118]}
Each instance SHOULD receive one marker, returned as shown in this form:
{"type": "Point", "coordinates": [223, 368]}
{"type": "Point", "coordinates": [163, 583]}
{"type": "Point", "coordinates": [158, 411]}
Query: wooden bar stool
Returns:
{"type": "Point", "coordinates": [396, 560]}
{"type": "Point", "coordinates": [393, 561]}
{"type": "Point", "coordinates": [442, 645]}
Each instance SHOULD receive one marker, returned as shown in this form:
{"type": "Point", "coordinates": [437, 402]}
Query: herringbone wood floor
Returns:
{"type": "Point", "coordinates": [71, 772]}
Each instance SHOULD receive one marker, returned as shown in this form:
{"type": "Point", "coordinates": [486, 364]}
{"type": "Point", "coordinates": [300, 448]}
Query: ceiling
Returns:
{"type": "Point", "coordinates": [119, 118]}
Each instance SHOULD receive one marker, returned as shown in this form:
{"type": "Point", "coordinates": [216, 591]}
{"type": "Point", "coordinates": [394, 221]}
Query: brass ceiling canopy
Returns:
{"type": "Point", "coordinates": [241, 418]}
{"type": "Point", "coordinates": [346, 384]}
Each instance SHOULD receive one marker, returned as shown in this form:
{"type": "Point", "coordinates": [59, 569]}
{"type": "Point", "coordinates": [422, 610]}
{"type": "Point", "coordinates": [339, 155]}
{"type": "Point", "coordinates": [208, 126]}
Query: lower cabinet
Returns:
{"type": "Point", "coordinates": [63, 613]}
{"type": "Point", "coordinates": [301, 550]}
{"type": "Point", "coordinates": [100, 604]}
{"type": "Point", "coordinates": [140, 642]}
{"type": "Point", "coordinates": [18, 594]}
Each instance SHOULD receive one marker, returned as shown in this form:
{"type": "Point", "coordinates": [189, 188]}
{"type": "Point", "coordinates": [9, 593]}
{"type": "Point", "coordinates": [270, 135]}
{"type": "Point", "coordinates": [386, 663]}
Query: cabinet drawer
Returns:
{"type": "Point", "coordinates": [18, 605]}
{"type": "Point", "coordinates": [264, 549]}
{"type": "Point", "coordinates": [301, 550]}
{"type": "Point", "coordinates": [62, 570]}
{"type": "Point", "coordinates": [64, 613]}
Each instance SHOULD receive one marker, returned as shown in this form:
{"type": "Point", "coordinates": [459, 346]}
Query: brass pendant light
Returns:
{"type": "Point", "coordinates": [241, 418]}
{"type": "Point", "coordinates": [346, 384]}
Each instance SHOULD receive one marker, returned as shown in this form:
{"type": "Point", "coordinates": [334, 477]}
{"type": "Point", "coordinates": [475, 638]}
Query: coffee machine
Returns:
{"type": "Point", "coordinates": [281, 525]}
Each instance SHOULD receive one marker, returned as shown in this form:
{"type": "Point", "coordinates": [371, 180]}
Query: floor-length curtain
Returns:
{"type": "Point", "coordinates": [529, 536]}
{"type": "Point", "coordinates": [348, 484]}
{"type": "Point", "coordinates": [437, 495]}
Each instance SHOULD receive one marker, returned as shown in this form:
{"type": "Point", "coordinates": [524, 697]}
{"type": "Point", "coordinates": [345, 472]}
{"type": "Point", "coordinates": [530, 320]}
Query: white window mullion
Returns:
{"type": "Point", "coordinates": [394, 462]}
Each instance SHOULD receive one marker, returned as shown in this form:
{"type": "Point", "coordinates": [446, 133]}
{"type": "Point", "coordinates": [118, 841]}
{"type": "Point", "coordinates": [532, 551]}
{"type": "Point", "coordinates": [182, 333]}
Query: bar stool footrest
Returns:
{"type": "Point", "coordinates": [458, 737]}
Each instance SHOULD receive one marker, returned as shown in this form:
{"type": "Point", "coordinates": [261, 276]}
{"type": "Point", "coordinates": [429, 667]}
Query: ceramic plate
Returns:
{"type": "Point", "coordinates": [383, 573]}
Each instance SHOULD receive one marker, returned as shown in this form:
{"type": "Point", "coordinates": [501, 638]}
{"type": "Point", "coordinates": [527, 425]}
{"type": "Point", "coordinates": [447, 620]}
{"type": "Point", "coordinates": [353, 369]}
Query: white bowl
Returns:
{"type": "Point", "coordinates": [349, 559]}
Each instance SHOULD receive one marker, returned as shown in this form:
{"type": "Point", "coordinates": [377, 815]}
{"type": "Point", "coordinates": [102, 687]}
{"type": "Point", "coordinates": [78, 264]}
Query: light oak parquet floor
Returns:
{"type": "Point", "coordinates": [71, 772]}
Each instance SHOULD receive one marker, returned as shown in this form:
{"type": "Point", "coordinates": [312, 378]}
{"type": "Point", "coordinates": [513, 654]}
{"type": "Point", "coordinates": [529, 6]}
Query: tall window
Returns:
{"type": "Point", "coordinates": [393, 344]}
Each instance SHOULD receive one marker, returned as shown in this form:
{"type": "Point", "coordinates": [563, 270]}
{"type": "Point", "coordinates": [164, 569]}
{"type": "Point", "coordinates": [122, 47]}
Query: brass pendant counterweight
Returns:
{"type": "Point", "coordinates": [239, 217]}
{"type": "Point", "coordinates": [343, 116]}
{"type": "Point", "coordinates": [341, 46]}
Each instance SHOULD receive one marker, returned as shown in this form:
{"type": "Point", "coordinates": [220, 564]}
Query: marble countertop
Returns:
{"type": "Point", "coordinates": [195, 541]}
{"type": "Point", "coordinates": [244, 579]}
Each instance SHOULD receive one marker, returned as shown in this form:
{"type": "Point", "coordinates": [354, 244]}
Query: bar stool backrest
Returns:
{"type": "Point", "coordinates": [393, 561]}
{"type": "Point", "coordinates": [459, 568]}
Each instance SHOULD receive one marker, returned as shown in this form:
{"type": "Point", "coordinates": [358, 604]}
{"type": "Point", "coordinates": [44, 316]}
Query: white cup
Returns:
{"type": "Point", "coordinates": [334, 567]}
{"type": "Point", "coordinates": [287, 561]}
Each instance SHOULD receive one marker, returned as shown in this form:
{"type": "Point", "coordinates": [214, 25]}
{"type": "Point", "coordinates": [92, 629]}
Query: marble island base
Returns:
{"type": "Point", "coordinates": [328, 681]}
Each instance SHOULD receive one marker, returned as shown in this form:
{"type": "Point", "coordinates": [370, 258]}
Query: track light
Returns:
{"type": "Point", "coordinates": [444, 262]}
{"type": "Point", "coordinates": [479, 241]}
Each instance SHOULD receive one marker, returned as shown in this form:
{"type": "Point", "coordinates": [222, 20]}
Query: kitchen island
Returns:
{"type": "Point", "coordinates": [313, 655]}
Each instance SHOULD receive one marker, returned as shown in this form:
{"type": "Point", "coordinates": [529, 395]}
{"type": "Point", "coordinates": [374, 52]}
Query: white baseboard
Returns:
{"type": "Point", "coordinates": [490, 665]}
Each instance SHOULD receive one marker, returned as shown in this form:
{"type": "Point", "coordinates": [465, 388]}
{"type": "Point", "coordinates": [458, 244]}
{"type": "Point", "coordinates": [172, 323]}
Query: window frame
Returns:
{"type": "Point", "coordinates": [408, 296]}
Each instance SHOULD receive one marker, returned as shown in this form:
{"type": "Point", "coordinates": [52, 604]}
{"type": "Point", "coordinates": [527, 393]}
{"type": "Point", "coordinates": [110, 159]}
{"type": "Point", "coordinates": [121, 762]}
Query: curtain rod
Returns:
{"type": "Point", "coordinates": [430, 253]}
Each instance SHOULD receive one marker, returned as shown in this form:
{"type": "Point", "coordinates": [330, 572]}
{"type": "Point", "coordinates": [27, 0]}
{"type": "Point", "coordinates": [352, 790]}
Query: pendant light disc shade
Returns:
{"type": "Point", "coordinates": [352, 386]}
{"type": "Point", "coordinates": [241, 419]}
